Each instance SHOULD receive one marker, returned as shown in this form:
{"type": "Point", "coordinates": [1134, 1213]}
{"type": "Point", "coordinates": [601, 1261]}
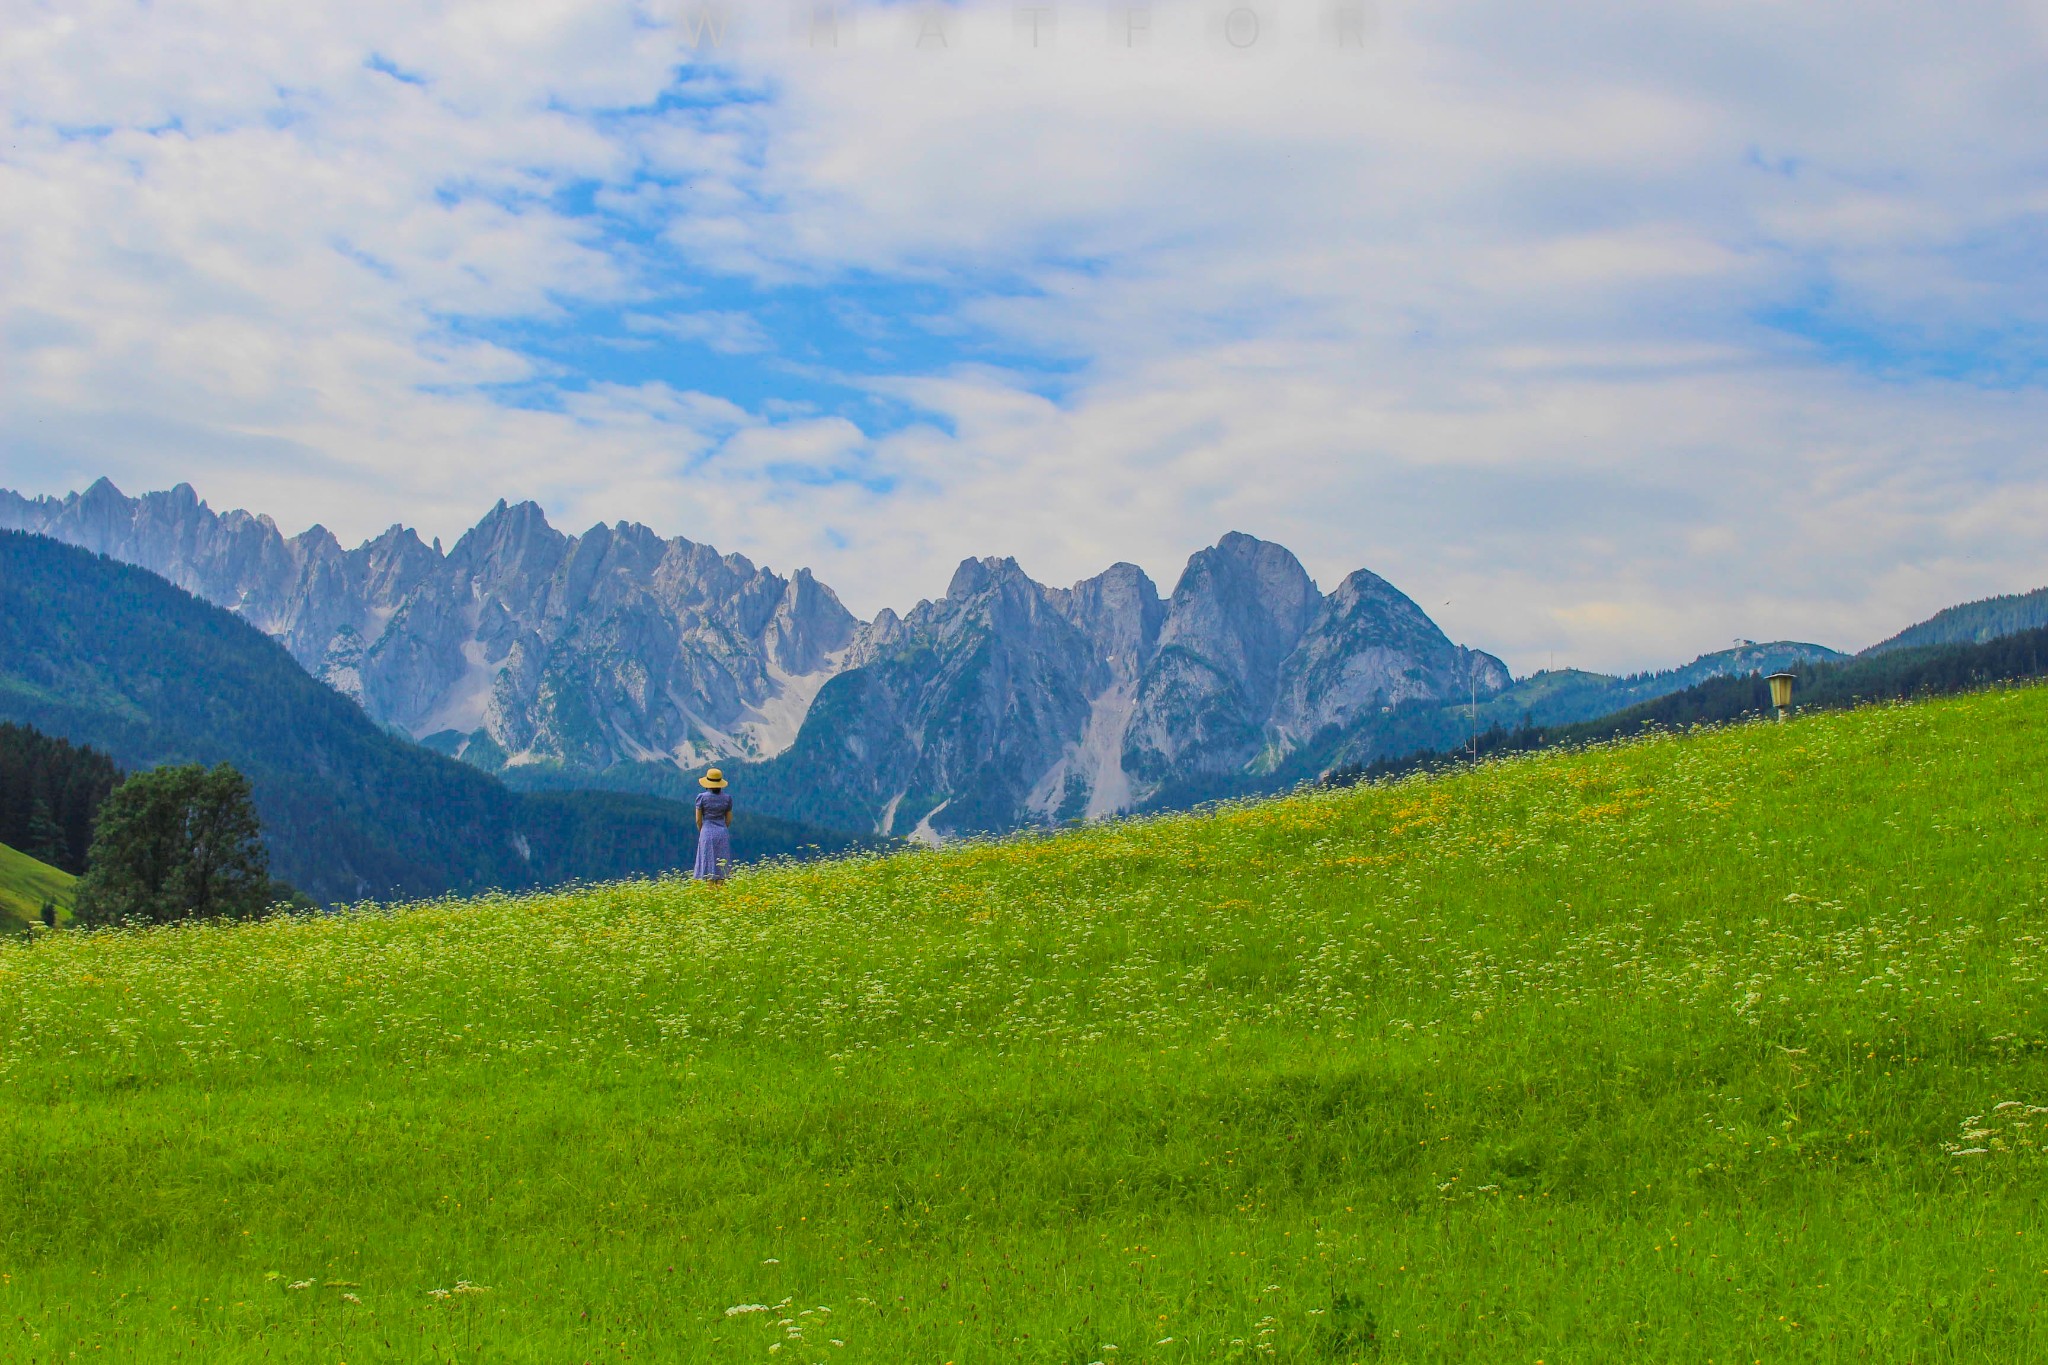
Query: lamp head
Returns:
{"type": "Point", "coordinates": [1781, 689]}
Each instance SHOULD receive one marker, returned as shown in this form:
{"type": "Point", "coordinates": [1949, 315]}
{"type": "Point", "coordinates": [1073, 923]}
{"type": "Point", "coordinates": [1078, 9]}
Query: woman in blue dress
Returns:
{"type": "Point", "coordinates": [714, 828]}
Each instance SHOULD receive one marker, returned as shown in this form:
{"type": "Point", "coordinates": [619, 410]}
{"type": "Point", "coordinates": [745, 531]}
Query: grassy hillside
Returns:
{"type": "Point", "coordinates": [25, 886]}
{"type": "Point", "coordinates": [1895, 675]}
{"type": "Point", "coordinates": [1723, 1047]}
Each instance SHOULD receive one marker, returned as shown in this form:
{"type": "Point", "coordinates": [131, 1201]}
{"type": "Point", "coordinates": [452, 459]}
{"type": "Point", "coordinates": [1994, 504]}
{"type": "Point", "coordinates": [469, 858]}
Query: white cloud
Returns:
{"type": "Point", "coordinates": [724, 331]}
{"type": "Point", "coordinates": [1478, 307]}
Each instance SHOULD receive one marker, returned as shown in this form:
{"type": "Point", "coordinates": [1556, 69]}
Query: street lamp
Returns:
{"type": "Point", "coordinates": [1781, 693]}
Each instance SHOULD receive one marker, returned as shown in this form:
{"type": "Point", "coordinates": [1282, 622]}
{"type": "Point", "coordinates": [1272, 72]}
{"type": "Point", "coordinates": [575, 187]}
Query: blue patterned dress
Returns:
{"type": "Point", "coordinates": [714, 841]}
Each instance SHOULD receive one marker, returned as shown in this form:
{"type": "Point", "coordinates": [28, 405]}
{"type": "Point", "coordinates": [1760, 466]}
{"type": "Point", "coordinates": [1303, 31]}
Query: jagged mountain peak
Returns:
{"type": "Point", "coordinates": [511, 518]}
{"type": "Point", "coordinates": [314, 540]}
{"type": "Point", "coordinates": [587, 650]}
{"type": "Point", "coordinates": [1004, 701]}
{"type": "Point", "coordinates": [1241, 571]}
{"type": "Point", "coordinates": [1119, 581]}
{"type": "Point", "coordinates": [397, 534]}
{"type": "Point", "coordinates": [1370, 648]}
{"type": "Point", "coordinates": [991, 594]}
{"type": "Point", "coordinates": [1366, 602]}
{"type": "Point", "coordinates": [976, 576]}
{"type": "Point", "coordinates": [885, 632]}
{"type": "Point", "coordinates": [1123, 571]}
{"type": "Point", "coordinates": [1240, 608]}
{"type": "Point", "coordinates": [1363, 583]}
{"type": "Point", "coordinates": [510, 543]}
{"type": "Point", "coordinates": [1121, 611]}
{"type": "Point", "coordinates": [810, 627]}
{"type": "Point", "coordinates": [1246, 553]}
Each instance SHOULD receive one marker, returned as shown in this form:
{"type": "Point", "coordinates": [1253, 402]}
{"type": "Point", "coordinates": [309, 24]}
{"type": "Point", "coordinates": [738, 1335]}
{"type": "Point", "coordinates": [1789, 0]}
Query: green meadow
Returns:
{"type": "Point", "coordinates": [26, 886]}
{"type": "Point", "coordinates": [1717, 1047]}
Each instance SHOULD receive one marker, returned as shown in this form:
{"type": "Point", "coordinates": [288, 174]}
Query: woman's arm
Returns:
{"type": "Point", "coordinates": [700, 819]}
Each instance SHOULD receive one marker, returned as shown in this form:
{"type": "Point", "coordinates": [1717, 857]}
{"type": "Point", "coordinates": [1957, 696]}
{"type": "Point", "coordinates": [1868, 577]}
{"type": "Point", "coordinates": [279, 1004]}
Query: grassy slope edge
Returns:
{"type": "Point", "coordinates": [25, 885]}
{"type": "Point", "coordinates": [1918, 673]}
{"type": "Point", "coordinates": [1711, 1047]}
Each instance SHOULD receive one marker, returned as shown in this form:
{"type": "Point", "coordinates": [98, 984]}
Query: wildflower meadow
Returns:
{"type": "Point", "coordinates": [1725, 1046]}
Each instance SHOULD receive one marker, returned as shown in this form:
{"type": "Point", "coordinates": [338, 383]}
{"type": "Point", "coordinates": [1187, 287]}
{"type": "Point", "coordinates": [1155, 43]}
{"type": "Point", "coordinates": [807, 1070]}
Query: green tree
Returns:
{"type": "Point", "coordinates": [45, 842]}
{"type": "Point", "coordinates": [176, 843]}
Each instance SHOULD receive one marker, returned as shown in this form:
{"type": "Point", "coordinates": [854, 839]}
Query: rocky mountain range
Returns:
{"type": "Point", "coordinates": [1007, 702]}
{"type": "Point", "coordinates": [537, 646]}
{"type": "Point", "coordinates": [98, 653]}
{"type": "Point", "coordinates": [531, 652]}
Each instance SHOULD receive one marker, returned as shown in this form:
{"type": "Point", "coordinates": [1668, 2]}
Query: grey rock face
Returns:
{"type": "Point", "coordinates": [1004, 703]}
{"type": "Point", "coordinates": [1010, 703]}
{"type": "Point", "coordinates": [615, 645]}
{"type": "Point", "coordinates": [1370, 647]}
{"type": "Point", "coordinates": [1120, 612]}
{"type": "Point", "coordinates": [964, 704]}
{"type": "Point", "coordinates": [1238, 613]}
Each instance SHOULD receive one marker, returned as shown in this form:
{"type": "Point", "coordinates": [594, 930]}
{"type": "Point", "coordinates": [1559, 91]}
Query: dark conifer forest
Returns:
{"type": "Point", "coordinates": [49, 792]}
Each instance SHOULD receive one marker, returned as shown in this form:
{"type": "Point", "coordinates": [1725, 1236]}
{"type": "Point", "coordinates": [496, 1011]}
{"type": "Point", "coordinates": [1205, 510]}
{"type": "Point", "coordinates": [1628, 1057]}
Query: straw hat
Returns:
{"type": "Point", "coordinates": [714, 779]}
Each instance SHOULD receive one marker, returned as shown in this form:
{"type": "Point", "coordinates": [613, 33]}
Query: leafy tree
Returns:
{"type": "Point", "coordinates": [176, 843]}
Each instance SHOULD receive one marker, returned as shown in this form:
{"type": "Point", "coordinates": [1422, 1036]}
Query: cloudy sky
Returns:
{"type": "Point", "coordinates": [1611, 332]}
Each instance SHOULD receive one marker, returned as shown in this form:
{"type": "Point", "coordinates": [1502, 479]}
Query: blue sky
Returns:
{"type": "Point", "coordinates": [1609, 334]}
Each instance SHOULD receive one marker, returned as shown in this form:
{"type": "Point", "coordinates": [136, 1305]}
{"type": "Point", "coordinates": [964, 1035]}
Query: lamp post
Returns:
{"type": "Point", "coordinates": [1781, 693]}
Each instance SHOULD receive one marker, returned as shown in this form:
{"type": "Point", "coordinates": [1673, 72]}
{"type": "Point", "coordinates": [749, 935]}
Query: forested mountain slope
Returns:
{"type": "Point", "coordinates": [105, 654]}
{"type": "Point", "coordinates": [50, 790]}
{"type": "Point", "coordinates": [1973, 622]}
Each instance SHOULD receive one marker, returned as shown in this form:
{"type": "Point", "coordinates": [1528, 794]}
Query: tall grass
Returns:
{"type": "Point", "coordinates": [1726, 1047]}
